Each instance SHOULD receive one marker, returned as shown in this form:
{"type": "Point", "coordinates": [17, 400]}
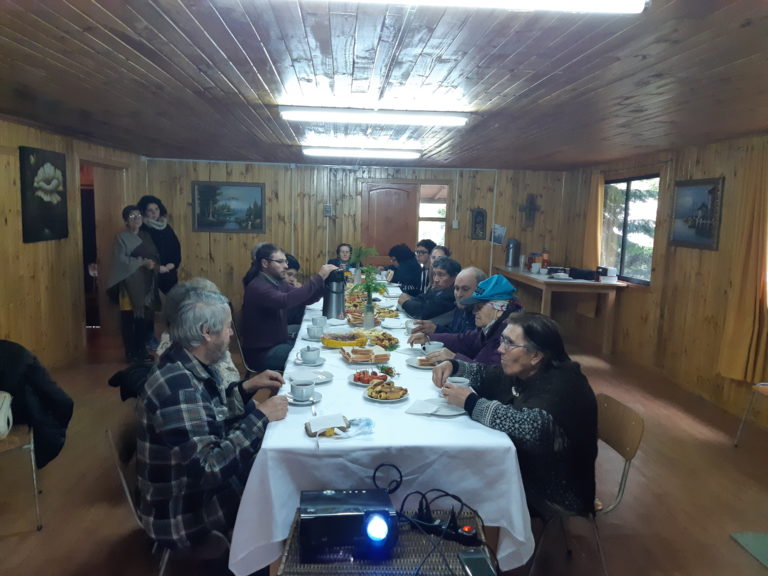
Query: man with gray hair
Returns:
{"type": "Point", "coordinates": [198, 436]}
{"type": "Point", "coordinates": [463, 319]}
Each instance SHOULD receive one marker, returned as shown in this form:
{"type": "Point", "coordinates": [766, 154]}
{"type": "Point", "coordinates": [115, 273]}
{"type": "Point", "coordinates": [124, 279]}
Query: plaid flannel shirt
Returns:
{"type": "Point", "coordinates": [197, 440]}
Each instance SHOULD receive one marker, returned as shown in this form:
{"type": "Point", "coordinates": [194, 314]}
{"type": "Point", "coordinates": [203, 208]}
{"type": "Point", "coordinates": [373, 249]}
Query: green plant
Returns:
{"type": "Point", "coordinates": [369, 284]}
{"type": "Point", "coordinates": [360, 253]}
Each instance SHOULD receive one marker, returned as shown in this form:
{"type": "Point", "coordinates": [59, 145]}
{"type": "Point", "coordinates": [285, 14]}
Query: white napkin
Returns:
{"type": "Point", "coordinates": [434, 407]}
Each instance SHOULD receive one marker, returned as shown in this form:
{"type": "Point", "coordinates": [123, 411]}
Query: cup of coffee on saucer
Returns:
{"type": "Point", "coordinates": [431, 346]}
{"type": "Point", "coordinates": [319, 321]}
{"type": "Point", "coordinates": [309, 355]}
{"type": "Point", "coordinates": [302, 390]}
{"type": "Point", "coordinates": [315, 332]}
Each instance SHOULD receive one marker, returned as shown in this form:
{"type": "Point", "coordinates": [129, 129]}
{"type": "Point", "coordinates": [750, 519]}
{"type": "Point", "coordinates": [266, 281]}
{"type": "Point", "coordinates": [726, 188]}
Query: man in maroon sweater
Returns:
{"type": "Point", "coordinates": [267, 298]}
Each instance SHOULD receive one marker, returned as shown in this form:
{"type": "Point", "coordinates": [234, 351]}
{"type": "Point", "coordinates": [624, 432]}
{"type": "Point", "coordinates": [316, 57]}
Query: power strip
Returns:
{"type": "Point", "coordinates": [465, 535]}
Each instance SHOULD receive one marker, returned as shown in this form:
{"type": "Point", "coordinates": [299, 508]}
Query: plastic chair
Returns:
{"type": "Point", "coordinates": [757, 389]}
{"type": "Point", "coordinates": [621, 428]}
{"type": "Point", "coordinates": [21, 437]}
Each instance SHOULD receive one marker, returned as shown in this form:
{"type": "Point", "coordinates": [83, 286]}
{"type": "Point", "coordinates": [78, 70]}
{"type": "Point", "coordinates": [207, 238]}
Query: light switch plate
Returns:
{"type": "Point", "coordinates": [327, 210]}
{"type": "Point", "coordinates": [455, 225]}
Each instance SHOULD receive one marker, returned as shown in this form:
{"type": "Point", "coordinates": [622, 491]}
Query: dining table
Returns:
{"type": "Point", "coordinates": [424, 443]}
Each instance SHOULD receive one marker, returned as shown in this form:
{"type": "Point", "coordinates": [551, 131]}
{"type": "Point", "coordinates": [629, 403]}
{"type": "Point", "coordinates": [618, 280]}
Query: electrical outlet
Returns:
{"type": "Point", "coordinates": [327, 210]}
{"type": "Point", "coordinates": [455, 224]}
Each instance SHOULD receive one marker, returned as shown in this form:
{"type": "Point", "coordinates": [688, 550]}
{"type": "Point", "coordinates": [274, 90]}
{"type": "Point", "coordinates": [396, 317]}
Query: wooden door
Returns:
{"type": "Point", "coordinates": [390, 216]}
{"type": "Point", "coordinates": [109, 201]}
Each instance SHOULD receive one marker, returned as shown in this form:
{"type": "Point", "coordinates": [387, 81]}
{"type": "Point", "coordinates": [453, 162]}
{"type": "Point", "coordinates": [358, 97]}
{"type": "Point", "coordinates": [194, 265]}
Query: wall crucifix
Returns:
{"type": "Point", "coordinates": [529, 209]}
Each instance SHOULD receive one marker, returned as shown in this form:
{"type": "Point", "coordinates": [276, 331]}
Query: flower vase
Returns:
{"type": "Point", "coordinates": [369, 319]}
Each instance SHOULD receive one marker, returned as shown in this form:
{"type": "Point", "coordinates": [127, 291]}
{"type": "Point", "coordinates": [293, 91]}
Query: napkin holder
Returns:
{"type": "Point", "coordinates": [321, 424]}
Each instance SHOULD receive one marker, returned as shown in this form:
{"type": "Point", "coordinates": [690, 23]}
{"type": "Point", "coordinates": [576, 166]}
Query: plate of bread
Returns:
{"type": "Point", "coordinates": [385, 392]}
{"type": "Point", "coordinates": [421, 363]}
{"type": "Point", "coordinates": [364, 355]}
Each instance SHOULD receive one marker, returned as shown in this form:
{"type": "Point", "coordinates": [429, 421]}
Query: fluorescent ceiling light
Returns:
{"type": "Point", "coordinates": [358, 116]}
{"type": "Point", "coordinates": [597, 6]}
{"type": "Point", "coordinates": [386, 153]}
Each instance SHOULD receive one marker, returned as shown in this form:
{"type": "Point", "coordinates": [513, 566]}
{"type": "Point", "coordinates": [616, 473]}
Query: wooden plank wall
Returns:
{"type": "Point", "coordinates": [675, 325]}
{"type": "Point", "coordinates": [42, 302]}
{"type": "Point", "coordinates": [295, 198]}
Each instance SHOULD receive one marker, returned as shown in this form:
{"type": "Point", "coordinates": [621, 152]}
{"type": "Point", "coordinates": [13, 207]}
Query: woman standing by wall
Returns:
{"type": "Point", "coordinates": [132, 281]}
{"type": "Point", "coordinates": [155, 223]}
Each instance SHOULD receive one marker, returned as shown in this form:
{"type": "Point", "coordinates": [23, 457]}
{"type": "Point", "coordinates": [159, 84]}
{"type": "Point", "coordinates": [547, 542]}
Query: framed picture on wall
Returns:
{"type": "Point", "coordinates": [697, 212]}
{"type": "Point", "coordinates": [43, 195]}
{"type": "Point", "coordinates": [228, 207]}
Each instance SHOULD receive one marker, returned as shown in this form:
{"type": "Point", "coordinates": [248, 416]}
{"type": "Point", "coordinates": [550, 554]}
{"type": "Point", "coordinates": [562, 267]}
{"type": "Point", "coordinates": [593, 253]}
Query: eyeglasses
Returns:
{"type": "Point", "coordinates": [281, 261]}
{"type": "Point", "coordinates": [134, 217]}
{"type": "Point", "coordinates": [421, 252]}
{"type": "Point", "coordinates": [507, 344]}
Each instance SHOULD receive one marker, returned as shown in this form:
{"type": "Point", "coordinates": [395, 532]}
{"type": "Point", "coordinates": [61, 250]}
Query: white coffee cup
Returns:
{"type": "Point", "coordinates": [535, 267]}
{"type": "Point", "coordinates": [458, 380]}
{"type": "Point", "coordinates": [409, 326]}
{"type": "Point", "coordinates": [432, 346]}
{"type": "Point", "coordinates": [319, 321]}
{"type": "Point", "coordinates": [302, 389]}
{"type": "Point", "coordinates": [309, 354]}
{"type": "Point", "coordinates": [314, 331]}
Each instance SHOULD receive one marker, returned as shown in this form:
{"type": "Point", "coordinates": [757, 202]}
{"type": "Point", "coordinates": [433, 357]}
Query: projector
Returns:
{"type": "Point", "coordinates": [341, 525]}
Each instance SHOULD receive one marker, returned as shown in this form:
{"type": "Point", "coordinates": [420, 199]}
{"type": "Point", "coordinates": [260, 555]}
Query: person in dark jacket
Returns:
{"type": "Point", "coordinates": [492, 302]}
{"type": "Point", "coordinates": [463, 319]}
{"type": "Point", "coordinates": [541, 399]}
{"type": "Point", "coordinates": [343, 254]}
{"type": "Point", "coordinates": [266, 302]}
{"type": "Point", "coordinates": [37, 400]}
{"type": "Point", "coordinates": [423, 250]}
{"type": "Point", "coordinates": [407, 272]}
{"type": "Point", "coordinates": [155, 223]}
{"type": "Point", "coordinates": [439, 298]}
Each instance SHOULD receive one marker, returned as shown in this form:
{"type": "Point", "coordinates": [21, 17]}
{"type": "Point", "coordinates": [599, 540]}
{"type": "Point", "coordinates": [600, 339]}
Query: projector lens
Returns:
{"type": "Point", "coordinates": [377, 527]}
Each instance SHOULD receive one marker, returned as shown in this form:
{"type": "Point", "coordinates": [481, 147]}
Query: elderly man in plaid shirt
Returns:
{"type": "Point", "coordinates": [197, 435]}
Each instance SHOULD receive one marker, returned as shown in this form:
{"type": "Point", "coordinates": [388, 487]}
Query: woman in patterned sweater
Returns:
{"type": "Point", "coordinates": [540, 398]}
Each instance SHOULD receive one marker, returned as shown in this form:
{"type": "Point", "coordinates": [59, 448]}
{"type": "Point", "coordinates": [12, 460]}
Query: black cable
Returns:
{"type": "Point", "coordinates": [393, 485]}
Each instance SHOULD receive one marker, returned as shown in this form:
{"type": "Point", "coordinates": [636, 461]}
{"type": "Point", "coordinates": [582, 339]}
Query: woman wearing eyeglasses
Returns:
{"type": "Point", "coordinates": [492, 301]}
{"type": "Point", "coordinates": [541, 399]}
{"type": "Point", "coordinates": [266, 301]}
{"type": "Point", "coordinates": [132, 283]}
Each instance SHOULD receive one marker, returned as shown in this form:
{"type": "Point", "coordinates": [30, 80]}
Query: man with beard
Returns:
{"type": "Point", "coordinates": [197, 436]}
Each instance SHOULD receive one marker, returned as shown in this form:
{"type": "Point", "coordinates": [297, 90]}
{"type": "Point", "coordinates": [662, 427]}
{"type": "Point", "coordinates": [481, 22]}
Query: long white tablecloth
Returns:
{"type": "Point", "coordinates": [455, 454]}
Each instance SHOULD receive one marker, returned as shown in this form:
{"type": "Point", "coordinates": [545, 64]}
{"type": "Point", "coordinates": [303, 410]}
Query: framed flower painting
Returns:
{"type": "Point", "coordinates": [43, 195]}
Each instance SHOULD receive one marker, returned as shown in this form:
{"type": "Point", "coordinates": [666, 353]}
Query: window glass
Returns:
{"type": "Point", "coordinates": [432, 210]}
{"type": "Point", "coordinates": [629, 226]}
{"type": "Point", "coordinates": [433, 230]}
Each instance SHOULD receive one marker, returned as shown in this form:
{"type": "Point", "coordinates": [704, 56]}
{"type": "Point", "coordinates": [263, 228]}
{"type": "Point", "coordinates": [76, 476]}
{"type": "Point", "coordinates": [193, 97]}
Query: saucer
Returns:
{"type": "Point", "coordinates": [314, 399]}
{"type": "Point", "coordinates": [301, 362]}
{"type": "Point", "coordinates": [309, 338]}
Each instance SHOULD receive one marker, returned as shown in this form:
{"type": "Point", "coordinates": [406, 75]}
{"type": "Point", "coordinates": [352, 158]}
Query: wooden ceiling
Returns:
{"type": "Point", "coordinates": [203, 78]}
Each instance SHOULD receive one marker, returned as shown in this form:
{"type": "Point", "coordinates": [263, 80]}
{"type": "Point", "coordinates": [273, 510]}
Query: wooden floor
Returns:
{"type": "Point", "coordinates": [688, 490]}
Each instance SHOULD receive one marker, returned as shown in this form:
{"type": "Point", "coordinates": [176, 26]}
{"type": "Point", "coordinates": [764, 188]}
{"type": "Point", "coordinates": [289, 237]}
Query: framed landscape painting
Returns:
{"type": "Point", "coordinates": [228, 207]}
{"type": "Point", "coordinates": [697, 213]}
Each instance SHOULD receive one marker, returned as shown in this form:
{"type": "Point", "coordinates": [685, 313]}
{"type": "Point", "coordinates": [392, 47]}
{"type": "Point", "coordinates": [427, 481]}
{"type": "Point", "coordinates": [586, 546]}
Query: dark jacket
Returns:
{"type": "Point", "coordinates": [408, 275]}
{"type": "Point", "coordinates": [37, 400]}
{"type": "Point", "coordinates": [463, 319]}
{"type": "Point", "coordinates": [430, 304]}
{"type": "Point", "coordinates": [167, 244]}
{"type": "Point", "coordinates": [475, 345]}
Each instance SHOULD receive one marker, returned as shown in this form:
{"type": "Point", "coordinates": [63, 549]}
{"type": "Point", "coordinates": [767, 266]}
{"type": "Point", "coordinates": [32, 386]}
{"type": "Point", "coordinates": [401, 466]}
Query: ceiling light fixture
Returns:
{"type": "Point", "coordinates": [384, 153]}
{"type": "Point", "coordinates": [359, 116]}
{"type": "Point", "coordinates": [582, 6]}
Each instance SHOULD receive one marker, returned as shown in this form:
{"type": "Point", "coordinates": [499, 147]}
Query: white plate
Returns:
{"type": "Point", "coordinates": [360, 384]}
{"type": "Point", "coordinates": [414, 363]}
{"type": "Point", "coordinates": [380, 401]}
{"type": "Point", "coordinates": [301, 362]}
{"type": "Point", "coordinates": [391, 323]}
{"type": "Point", "coordinates": [388, 305]}
{"type": "Point", "coordinates": [314, 399]}
{"type": "Point", "coordinates": [336, 322]}
{"type": "Point", "coordinates": [319, 376]}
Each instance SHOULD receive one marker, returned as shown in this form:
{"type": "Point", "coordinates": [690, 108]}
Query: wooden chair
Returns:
{"type": "Point", "coordinates": [21, 437]}
{"type": "Point", "coordinates": [124, 455]}
{"type": "Point", "coordinates": [238, 341]}
{"type": "Point", "coordinates": [760, 389]}
{"type": "Point", "coordinates": [620, 428]}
